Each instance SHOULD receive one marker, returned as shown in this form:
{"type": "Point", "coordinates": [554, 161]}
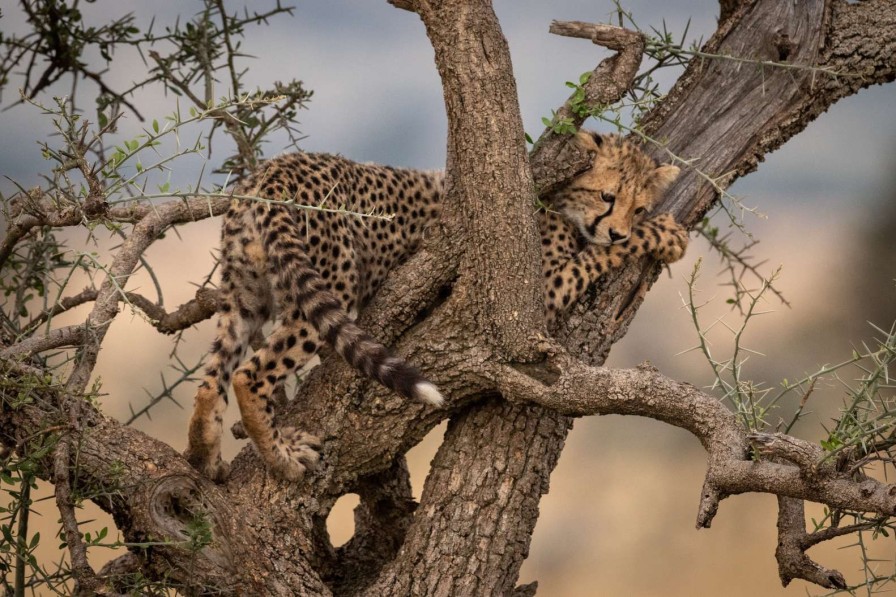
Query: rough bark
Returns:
{"type": "Point", "coordinates": [471, 531]}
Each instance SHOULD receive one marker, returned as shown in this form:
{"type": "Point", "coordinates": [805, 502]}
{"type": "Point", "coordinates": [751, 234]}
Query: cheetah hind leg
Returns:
{"type": "Point", "coordinates": [238, 431]}
{"type": "Point", "coordinates": [204, 450]}
{"type": "Point", "coordinates": [286, 451]}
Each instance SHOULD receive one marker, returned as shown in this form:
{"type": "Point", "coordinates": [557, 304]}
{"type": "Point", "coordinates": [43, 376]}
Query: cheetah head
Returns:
{"type": "Point", "coordinates": [616, 193]}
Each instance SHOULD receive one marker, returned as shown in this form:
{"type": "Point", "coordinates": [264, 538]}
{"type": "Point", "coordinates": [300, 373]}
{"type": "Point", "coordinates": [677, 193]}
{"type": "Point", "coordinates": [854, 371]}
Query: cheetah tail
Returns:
{"type": "Point", "coordinates": [324, 311]}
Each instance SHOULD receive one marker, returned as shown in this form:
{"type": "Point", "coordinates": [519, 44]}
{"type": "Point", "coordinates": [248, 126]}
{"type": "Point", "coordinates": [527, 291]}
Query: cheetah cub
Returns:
{"type": "Point", "coordinates": [312, 270]}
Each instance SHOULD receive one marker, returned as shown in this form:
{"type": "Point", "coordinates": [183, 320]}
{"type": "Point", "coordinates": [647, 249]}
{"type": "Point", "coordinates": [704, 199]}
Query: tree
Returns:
{"type": "Point", "coordinates": [514, 388]}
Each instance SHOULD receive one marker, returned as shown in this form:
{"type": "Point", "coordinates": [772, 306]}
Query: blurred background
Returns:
{"type": "Point", "coordinates": [620, 515]}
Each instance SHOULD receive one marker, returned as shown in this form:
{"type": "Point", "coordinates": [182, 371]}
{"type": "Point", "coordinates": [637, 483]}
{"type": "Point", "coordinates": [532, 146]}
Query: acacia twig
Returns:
{"type": "Point", "coordinates": [792, 545]}
{"type": "Point", "coordinates": [85, 577]}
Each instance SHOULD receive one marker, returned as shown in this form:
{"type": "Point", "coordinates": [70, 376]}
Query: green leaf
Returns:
{"type": "Point", "coordinates": [34, 541]}
{"type": "Point", "coordinates": [831, 444]}
{"type": "Point", "coordinates": [155, 126]}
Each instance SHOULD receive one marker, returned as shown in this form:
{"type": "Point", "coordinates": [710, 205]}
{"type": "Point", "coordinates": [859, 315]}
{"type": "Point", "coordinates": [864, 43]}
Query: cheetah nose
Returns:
{"type": "Point", "coordinates": [615, 237]}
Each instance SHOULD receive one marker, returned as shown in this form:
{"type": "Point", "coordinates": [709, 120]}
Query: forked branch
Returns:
{"type": "Point", "coordinates": [568, 386]}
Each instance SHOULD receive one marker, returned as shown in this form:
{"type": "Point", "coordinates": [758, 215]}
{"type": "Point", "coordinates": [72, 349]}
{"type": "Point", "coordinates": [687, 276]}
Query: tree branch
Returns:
{"type": "Point", "coordinates": [565, 385]}
{"type": "Point", "coordinates": [154, 495]}
{"type": "Point", "coordinates": [554, 160]}
{"type": "Point", "coordinates": [791, 551]}
{"type": "Point", "coordinates": [488, 174]}
{"type": "Point", "coordinates": [72, 335]}
{"type": "Point", "coordinates": [33, 209]}
{"type": "Point", "coordinates": [190, 313]}
{"type": "Point", "coordinates": [86, 581]}
{"type": "Point", "coordinates": [382, 519]}
{"type": "Point", "coordinates": [145, 232]}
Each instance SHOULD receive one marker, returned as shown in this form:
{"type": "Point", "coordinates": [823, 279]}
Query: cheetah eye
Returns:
{"type": "Point", "coordinates": [607, 197]}
{"type": "Point", "coordinates": [640, 210]}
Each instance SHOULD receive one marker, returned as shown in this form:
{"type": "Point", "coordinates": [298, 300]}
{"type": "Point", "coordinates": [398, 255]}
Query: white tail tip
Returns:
{"type": "Point", "coordinates": [428, 393]}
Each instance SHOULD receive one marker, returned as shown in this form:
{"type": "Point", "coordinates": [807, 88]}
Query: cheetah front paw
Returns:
{"type": "Point", "coordinates": [673, 238]}
{"type": "Point", "coordinates": [292, 453]}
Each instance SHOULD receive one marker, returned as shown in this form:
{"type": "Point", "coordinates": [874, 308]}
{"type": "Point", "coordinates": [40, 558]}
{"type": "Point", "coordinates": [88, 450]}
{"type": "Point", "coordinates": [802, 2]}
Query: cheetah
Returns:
{"type": "Point", "coordinates": [313, 270]}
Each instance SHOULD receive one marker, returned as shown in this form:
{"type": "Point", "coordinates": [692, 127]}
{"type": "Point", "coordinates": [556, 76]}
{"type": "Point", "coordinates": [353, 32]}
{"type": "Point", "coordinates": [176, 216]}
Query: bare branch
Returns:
{"type": "Point", "coordinates": [404, 4]}
{"type": "Point", "coordinates": [145, 232]}
{"type": "Point", "coordinates": [554, 161]}
{"type": "Point", "coordinates": [39, 213]}
{"type": "Point", "coordinates": [806, 455]}
{"type": "Point", "coordinates": [570, 387]}
{"type": "Point", "coordinates": [791, 551]}
{"type": "Point", "coordinates": [68, 336]}
{"type": "Point", "coordinates": [86, 581]}
{"type": "Point", "coordinates": [608, 36]}
{"type": "Point", "coordinates": [188, 314]}
{"type": "Point", "coordinates": [64, 304]}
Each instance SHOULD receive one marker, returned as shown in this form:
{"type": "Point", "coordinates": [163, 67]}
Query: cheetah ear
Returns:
{"type": "Point", "coordinates": [664, 176]}
{"type": "Point", "coordinates": [589, 140]}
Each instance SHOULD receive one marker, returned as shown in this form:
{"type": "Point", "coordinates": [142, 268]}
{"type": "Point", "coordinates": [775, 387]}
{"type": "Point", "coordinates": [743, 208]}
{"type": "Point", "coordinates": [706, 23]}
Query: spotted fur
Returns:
{"type": "Point", "coordinates": [311, 269]}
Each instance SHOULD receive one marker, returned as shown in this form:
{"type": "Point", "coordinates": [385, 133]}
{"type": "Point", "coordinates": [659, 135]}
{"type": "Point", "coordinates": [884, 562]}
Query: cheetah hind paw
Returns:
{"type": "Point", "coordinates": [239, 431]}
{"type": "Point", "coordinates": [293, 453]}
{"type": "Point", "coordinates": [217, 470]}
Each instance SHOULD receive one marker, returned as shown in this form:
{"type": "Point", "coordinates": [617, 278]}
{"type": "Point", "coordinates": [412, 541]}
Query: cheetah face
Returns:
{"type": "Point", "coordinates": [616, 193]}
